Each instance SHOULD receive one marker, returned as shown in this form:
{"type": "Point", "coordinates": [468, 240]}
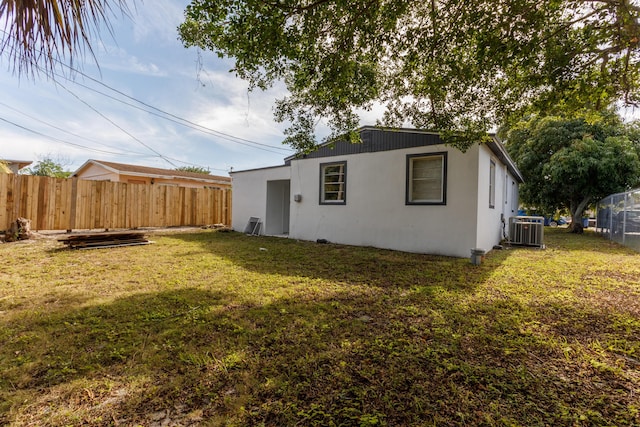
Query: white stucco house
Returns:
{"type": "Point", "coordinates": [400, 189]}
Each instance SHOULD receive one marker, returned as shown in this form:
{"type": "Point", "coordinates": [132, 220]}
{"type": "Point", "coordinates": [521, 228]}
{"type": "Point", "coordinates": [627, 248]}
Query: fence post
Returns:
{"type": "Point", "coordinates": [17, 198]}
{"type": "Point", "coordinates": [611, 218]}
{"type": "Point", "coordinates": [624, 220]}
{"type": "Point", "coordinates": [74, 204]}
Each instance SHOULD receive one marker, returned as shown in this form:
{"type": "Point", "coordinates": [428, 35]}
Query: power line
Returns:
{"type": "Point", "coordinates": [66, 131]}
{"type": "Point", "coordinates": [223, 135]}
{"type": "Point", "coordinates": [201, 128]}
{"type": "Point", "coordinates": [164, 115]}
{"type": "Point", "coordinates": [97, 150]}
{"type": "Point", "coordinates": [187, 123]}
{"type": "Point", "coordinates": [124, 153]}
{"type": "Point", "coordinates": [115, 124]}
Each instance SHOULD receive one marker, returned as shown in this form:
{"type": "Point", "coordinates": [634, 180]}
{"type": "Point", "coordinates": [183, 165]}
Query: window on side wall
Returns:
{"type": "Point", "coordinates": [426, 179]}
{"type": "Point", "coordinates": [492, 184]}
{"type": "Point", "coordinates": [333, 183]}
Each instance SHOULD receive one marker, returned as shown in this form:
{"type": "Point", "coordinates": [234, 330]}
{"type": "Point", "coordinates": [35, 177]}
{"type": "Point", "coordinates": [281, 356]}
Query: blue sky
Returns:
{"type": "Point", "coordinates": [144, 60]}
{"type": "Point", "coordinates": [70, 121]}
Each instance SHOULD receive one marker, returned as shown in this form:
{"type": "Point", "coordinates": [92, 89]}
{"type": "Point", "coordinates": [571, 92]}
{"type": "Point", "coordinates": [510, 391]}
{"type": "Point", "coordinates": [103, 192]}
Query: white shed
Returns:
{"type": "Point", "coordinates": [400, 189]}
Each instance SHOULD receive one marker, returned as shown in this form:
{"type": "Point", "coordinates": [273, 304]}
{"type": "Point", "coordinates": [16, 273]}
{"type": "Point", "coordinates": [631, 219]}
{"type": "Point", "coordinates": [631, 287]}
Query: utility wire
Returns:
{"type": "Point", "coordinates": [167, 159]}
{"type": "Point", "coordinates": [184, 122]}
{"type": "Point", "coordinates": [67, 132]}
{"type": "Point", "coordinates": [171, 117]}
{"type": "Point", "coordinates": [115, 124]}
{"type": "Point", "coordinates": [60, 140]}
{"type": "Point", "coordinates": [216, 132]}
{"type": "Point", "coordinates": [202, 128]}
{"type": "Point", "coordinates": [124, 152]}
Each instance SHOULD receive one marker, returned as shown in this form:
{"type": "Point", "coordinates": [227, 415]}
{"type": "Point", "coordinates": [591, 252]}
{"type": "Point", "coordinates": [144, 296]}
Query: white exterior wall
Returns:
{"type": "Point", "coordinates": [97, 173]}
{"type": "Point", "coordinates": [376, 214]}
{"type": "Point", "coordinates": [250, 194]}
{"type": "Point", "coordinates": [511, 196]}
{"type": "Point", "coordinates": [489, 219]}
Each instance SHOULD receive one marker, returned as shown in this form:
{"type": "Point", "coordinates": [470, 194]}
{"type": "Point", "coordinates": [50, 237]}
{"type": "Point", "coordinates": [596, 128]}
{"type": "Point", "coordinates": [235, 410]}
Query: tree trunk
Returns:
{"type": "Point", "coordinates": [576, 215]}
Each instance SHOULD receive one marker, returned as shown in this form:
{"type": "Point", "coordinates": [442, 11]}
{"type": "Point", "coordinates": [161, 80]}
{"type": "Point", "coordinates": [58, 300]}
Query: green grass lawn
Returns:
{"type": "Point", "coordinates": [208, 328]}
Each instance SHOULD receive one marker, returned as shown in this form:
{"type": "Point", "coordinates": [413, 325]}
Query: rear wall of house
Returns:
{"type": "Point", "coordinates": [250, 194]}
{"type": "Point", "coordinates": [375, 213]}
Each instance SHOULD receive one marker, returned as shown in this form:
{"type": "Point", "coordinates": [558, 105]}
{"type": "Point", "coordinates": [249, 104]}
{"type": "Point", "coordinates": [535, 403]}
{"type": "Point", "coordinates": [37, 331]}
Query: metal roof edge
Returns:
{"type": "Point", "coordinates": [495, 145]}
{"type": "Point", "coordinates": [499, 150]}
{"type": "Point", "coordinates": [259, 169]}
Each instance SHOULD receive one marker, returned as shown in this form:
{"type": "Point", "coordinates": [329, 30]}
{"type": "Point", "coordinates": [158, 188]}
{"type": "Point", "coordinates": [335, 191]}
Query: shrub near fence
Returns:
{"type": "Point", "coordinates": [66, 204]}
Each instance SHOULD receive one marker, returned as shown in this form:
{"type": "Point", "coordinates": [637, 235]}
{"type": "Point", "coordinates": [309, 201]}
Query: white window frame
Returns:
{"type": "Point", "coordinates": [341, 192]}
{"type": "Point", "coordinates": [492, 184]}
{"type": "Point", "coordinates": [442, 200]}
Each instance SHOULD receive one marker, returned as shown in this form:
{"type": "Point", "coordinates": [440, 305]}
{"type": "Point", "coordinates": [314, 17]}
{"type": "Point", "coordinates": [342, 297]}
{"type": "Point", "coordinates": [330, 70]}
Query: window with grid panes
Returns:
{"type": "Point", "coordinates": [333, 183]}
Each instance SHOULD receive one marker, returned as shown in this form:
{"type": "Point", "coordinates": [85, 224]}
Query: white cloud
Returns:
{"type": "Point", "coordinates": [144, 61]}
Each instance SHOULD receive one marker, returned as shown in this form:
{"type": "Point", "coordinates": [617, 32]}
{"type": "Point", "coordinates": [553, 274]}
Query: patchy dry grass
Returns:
{"type": "Point", "coordinates": [207, 328]}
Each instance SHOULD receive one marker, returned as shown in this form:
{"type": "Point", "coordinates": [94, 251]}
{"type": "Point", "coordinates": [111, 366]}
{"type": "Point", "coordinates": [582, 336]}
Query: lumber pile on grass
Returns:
{"type": "Point", "coordinates": [107, 239]}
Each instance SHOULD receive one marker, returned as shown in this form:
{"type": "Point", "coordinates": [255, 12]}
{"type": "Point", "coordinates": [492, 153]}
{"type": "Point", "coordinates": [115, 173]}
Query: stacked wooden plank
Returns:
{"type": "Point", "coordinates": [107, 239]}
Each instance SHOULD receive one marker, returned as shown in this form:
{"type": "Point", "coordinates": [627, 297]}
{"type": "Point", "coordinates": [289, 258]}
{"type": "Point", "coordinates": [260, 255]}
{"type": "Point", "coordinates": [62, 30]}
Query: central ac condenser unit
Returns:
{"type": "Point", "coordinates": [526, 230]}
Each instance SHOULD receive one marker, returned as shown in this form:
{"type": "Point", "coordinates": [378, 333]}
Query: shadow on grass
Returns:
{"type": "Point", "coordinates": [190, 356]}
{"type": "Point", "coordinates": [342, 263]}
{"type": "Point", "coordinates": [383, 337]}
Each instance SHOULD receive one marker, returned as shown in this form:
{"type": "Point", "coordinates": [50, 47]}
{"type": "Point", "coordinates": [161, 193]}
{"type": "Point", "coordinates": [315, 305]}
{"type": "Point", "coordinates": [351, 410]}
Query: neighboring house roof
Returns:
{"type": "Point", "coordinates": [376, 139]}
{"type": "Point", "coordinates": [145, 171]}
{"type": "Point", "coordinates": [14, 165]}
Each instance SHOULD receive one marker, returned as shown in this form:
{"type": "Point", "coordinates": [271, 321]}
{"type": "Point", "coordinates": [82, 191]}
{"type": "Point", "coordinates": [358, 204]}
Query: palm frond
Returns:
{"type": "Point", "coordinates": [38, 34]}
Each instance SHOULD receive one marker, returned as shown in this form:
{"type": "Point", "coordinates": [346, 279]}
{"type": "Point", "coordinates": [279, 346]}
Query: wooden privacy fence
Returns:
{"type": "Point", "coordinates": [67, 204]}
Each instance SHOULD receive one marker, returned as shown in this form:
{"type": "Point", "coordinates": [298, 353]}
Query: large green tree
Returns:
{"type": "Point", "coordinates": [570, 163]}
{"type": "Point", "coordinates": [39, 34]}
{"type": "Point", "coordinates": [442, 64]}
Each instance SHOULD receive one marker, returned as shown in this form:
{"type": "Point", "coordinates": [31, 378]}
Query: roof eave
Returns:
{"type": "Point", "coordinates": [499, 150]}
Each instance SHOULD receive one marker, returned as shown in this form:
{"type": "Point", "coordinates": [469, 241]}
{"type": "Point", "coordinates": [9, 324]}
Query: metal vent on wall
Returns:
{"type": "Point", "coordinates": [526, 230]}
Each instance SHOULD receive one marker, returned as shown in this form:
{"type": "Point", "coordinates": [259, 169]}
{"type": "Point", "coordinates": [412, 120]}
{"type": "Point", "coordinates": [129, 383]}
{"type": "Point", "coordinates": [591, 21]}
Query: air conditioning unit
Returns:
{"type": "Point", "coordinates": [526, 230]}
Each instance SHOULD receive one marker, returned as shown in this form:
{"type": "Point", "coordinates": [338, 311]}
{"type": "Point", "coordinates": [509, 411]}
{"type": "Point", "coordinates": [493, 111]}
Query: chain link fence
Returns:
{"type": "Point", "coordinates": [618, 218]}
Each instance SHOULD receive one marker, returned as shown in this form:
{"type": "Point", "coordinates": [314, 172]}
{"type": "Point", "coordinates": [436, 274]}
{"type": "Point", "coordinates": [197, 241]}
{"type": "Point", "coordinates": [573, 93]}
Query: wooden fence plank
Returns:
{"type": "Point", "coordinates": [41, 207]}
{"type": "Point", "coordinates": [66, 204]}
{"type": "Point", "coordinates": [5, 184]}
{"type": "Point", "coordinates": [59, 206]}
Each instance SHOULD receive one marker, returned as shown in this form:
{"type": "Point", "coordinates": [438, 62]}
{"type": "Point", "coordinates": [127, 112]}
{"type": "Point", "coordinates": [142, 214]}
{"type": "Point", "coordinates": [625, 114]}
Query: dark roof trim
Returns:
{"type": "Point", "coordinates": [497, 147]}
{"type": "Point", "coordinates": [376, 139]}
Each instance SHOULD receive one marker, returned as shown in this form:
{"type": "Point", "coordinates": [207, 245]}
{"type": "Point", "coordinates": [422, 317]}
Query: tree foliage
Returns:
{"type": "Point", "coordinates": [48, 167]}
{"type": "Point", "coordinates": [37, 34]}
{"type": "Point", "coordinates": [570, 163]}
{"type": "Point", "coordinates": [439, 64]}
{"type": "Point", "coordinates": [194, 169]}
